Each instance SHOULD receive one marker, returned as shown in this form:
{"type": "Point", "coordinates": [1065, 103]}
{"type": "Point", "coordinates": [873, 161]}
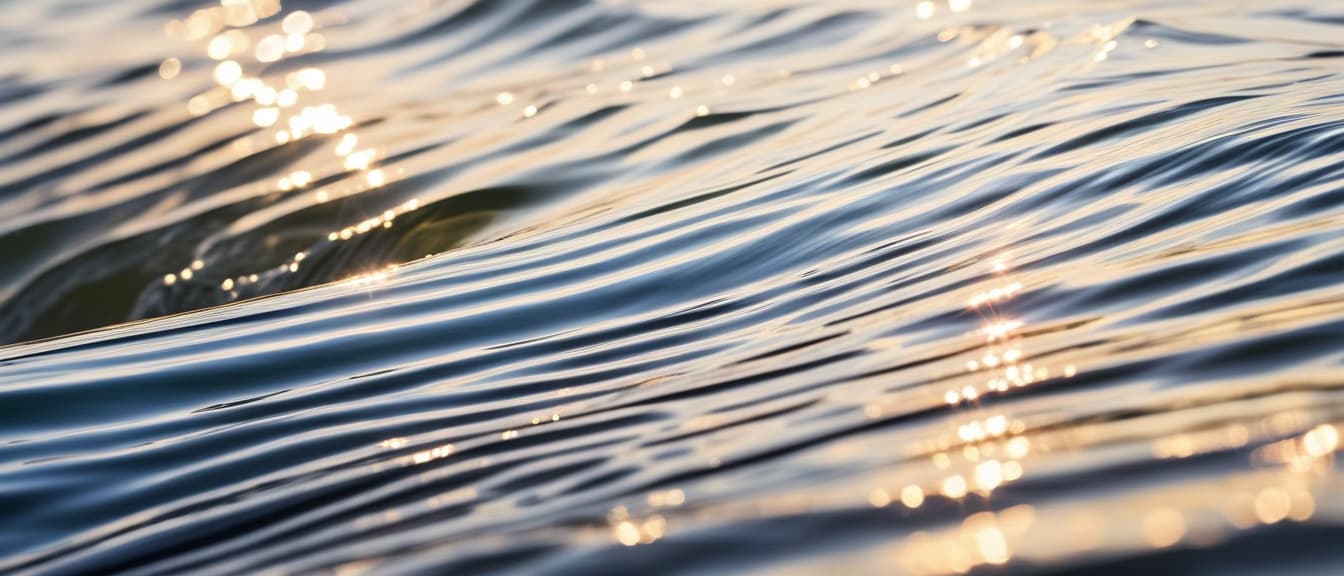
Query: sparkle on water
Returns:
{"type": "Point", "coordinates": [582, 287]}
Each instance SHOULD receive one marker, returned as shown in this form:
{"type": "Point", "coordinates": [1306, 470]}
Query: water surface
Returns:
{"type": "Point", "coordinates": [671, 287]}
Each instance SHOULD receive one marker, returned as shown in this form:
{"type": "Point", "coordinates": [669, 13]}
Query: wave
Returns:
{"type": "Point", "coordinates": [591, 287]}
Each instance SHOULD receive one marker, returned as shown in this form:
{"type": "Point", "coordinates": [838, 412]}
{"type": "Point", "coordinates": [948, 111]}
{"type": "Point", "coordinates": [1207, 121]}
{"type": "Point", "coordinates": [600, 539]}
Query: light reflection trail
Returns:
{"type": "Point", "coordinates": [985, 453]}
{"type": "Point", "coordinates": [238, 30]}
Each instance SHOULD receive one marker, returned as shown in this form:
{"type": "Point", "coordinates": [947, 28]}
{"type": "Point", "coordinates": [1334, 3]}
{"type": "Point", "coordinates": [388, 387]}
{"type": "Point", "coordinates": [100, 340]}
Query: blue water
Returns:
{"type": "Point", "coordinates": [584, 287]}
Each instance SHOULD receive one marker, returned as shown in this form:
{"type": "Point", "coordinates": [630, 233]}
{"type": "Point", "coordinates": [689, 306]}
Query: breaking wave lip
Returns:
{"type": "Point", "coordinates": [594, 287]}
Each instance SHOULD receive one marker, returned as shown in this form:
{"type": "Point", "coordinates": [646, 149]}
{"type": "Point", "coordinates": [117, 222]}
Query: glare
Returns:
{"type": "Point", "coordinates": [203, 23]}
{"type": "Point", "coordinates": [239, 13]}
{"type": "Point", "coordinates": [627, 533]}
{"type": "Point", "coordinates": [1163, 527]}
{"type": "Point", "coordinates": [270, 48]}
{"type": "Point", "coordinates": [301, 178]}
{"type": "Point", "coordinates": [170, 68]}
{"type": "Point", "coordinates": [265, 117]}
{"type": "Point", "coordinates": [294, 43]}
{"type": "Point", "coordinates": [309, 79]}
{"type": "Point", "coordinates": [376, 178]}
{"type": "Point", "coordinates": [1272, 505]}
{"type": "Point", "coordinates": [346, 145]}
{"type": "Point", "coordinates": [198, 105]}
{"type": "Point", "coordinates": [220, 47]}
{"type": "Point", "coordinates": [286, 98]}
{"type": "Point", "coordinates": [1018, 447]}
{"type": "Point", "coordinates": [912, 496]}
{"type": "Point", "coordinates": [879, 498]}
{"type": "Point", "coordinates": [991, 545]}
{"type": "Point", "coordinates": [246, 88]}
{"type": "Point", "coordinates": [988, 475]}
{"type": "Point", "coordinates": [359, 160]}
{"type": "Point", "coordinates": [954, 486]}
{"type": "Point", "coordinates": [1321, 440]}
{"type": "Point", "coordinates": [228, 72]}
{"type": "Point", "coordinates": [297, 22]}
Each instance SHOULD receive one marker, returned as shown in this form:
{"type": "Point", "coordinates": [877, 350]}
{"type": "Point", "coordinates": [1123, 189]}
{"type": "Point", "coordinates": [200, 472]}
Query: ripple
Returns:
{"type": "Point", "coordinates": [584, 286]}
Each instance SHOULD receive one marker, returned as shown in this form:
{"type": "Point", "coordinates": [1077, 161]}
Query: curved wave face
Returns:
{"type": "Point", "coordinates": [586, 287]}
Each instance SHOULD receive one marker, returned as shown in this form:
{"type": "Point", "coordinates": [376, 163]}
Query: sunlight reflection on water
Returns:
{"type": "Point", "coordinates": [575, 286]}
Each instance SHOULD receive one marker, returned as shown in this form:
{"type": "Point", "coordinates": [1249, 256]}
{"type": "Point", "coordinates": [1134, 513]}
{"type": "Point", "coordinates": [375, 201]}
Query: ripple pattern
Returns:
{"type": "Point", "coordinates": [601, 287]}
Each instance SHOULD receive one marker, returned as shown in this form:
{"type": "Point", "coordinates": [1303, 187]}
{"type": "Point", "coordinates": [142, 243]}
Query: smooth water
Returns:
{"type": "Point", "coordinates": [576, 286]}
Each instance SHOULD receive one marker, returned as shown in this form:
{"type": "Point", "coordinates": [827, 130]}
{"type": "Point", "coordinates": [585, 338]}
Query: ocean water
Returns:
{"type": "Point", "coordinates": [588, 287]}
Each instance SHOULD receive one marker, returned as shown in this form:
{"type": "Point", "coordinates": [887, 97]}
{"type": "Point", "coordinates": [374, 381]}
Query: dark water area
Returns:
{"type": "Point", "coordinates": [591, 287]}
